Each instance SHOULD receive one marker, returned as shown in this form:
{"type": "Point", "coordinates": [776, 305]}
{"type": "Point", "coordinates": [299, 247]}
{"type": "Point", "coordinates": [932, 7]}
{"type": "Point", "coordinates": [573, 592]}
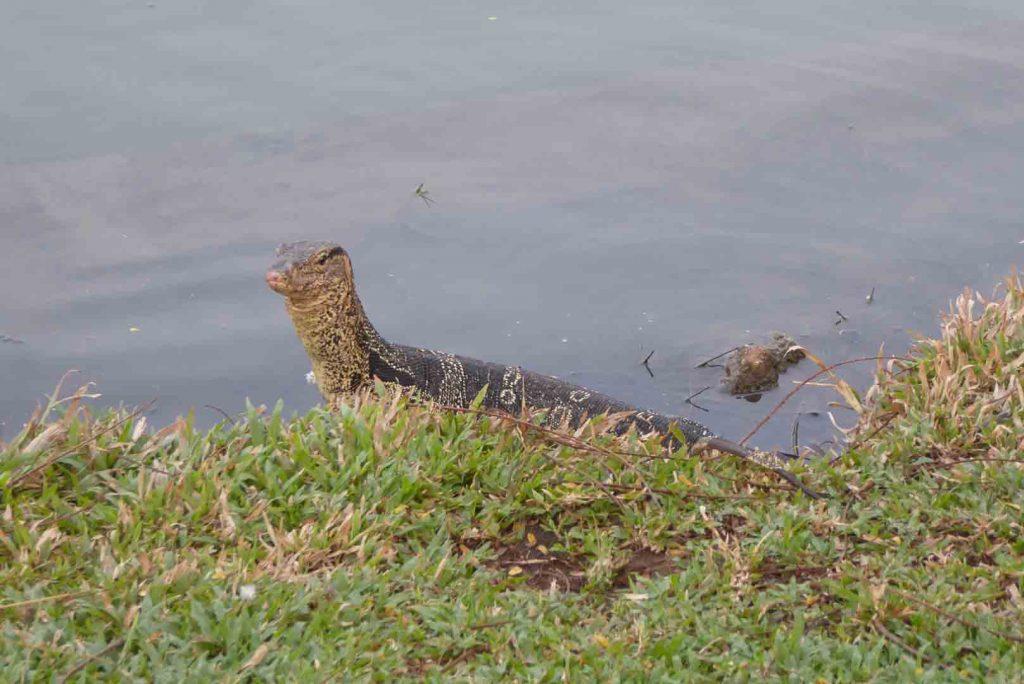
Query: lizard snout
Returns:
{"type": "Point", "coordinates": [276, 281]}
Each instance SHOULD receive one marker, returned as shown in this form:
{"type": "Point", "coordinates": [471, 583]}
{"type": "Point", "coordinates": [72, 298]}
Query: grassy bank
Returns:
{"type": "Point", "coordinates": [392, 540]}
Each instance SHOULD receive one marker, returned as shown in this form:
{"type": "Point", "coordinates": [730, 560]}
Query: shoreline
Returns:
{"type": "Point", "coordinates": [390, 538]}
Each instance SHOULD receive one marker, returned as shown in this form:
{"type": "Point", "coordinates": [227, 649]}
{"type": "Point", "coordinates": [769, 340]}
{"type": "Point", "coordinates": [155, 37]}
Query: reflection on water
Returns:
{"type": "Point", "coordinates": [606, 183]}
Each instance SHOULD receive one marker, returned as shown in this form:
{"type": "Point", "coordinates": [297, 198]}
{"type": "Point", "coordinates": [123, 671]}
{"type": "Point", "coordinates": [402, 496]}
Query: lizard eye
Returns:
{"type": "Point", "coordinates": [324, 256]}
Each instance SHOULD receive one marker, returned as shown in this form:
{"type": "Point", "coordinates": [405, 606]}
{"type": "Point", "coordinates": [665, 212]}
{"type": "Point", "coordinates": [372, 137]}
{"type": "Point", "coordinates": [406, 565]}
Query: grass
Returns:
{"type": "Point", "coordinates": [393, 541]}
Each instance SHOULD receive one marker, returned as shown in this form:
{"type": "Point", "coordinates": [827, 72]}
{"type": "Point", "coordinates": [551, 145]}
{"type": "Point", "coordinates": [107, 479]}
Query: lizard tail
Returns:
{"type": "Point", "coordinates": [774, 461]}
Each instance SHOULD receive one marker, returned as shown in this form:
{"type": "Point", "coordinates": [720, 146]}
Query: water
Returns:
{"type": "Point", "coordinates": [609, 179]}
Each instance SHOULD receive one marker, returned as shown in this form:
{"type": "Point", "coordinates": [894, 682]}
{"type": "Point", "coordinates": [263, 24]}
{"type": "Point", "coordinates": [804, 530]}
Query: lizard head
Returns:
{"type": "Point", "coordinates": [316, 281]}
{"type": "Point", "coordinates": [310, 270]}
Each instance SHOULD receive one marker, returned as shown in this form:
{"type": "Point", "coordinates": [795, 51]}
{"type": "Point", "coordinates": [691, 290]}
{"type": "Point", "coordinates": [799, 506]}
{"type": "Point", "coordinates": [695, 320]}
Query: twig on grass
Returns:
{"type": "Point", "coordinates": [957, 618]}
{"type": "Point", "coordinates": [884, 631]}
{"type": "Point", "coordinates": [47, 462]}
{"type": "Point", "coordinates": [112, 646]}
{"type": "Point", "coordinates": [46, 599]}
{"type": "Point", "coordinates": [709, 443]}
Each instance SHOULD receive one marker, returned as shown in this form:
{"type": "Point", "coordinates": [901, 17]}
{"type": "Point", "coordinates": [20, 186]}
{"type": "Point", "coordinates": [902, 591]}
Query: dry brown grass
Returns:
{"type": "Point", "coordinates": [959, 396]}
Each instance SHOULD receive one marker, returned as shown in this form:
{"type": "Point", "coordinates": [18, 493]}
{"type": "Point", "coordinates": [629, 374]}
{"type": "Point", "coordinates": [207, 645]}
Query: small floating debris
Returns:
{"type": "Point", "coordinates": [310, 378]}
{"type": "Point", "coordinates": [754, 368]}
{"type": "Point", "coordinates": [7, 339]}
{"type": "Point", "coordinates": [689, 399]}
{"type": "Point", "coordinates": [646, 363]}
{"type": "Point", "coordinates": [423, 194]}
{"type": "Point", "coordinates": [133, 329]}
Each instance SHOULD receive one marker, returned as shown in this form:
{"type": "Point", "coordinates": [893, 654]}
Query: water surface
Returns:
{"type": "Point", "coordinates": [609, 179]}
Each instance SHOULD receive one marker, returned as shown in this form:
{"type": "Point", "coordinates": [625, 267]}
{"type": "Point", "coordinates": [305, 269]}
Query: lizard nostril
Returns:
{"type": "Point", "coordinates": [275, 280]}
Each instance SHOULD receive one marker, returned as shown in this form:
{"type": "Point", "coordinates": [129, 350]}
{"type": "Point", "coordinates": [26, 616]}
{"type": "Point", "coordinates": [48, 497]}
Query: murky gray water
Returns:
{"type": "Point", "coordinates": [610, 178]}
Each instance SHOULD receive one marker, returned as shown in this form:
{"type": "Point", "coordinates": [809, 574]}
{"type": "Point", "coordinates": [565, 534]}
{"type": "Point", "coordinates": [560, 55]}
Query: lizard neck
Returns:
{"type": "Point", "coordinates": [337, 336]}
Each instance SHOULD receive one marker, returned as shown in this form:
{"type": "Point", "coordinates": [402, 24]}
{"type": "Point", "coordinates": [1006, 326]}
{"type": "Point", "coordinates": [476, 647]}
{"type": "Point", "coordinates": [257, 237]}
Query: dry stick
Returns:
{"type": "Point", "coordinates": [86, 509]}
{"type": "Point", "coordinates": [567, 440]}
{"type": "Point", "coordinates": [645, 364]}
{"type": "Point", "coordinates": [557, 436]}
{"type": "Point", "coordinates": [727, 447]}
{"type": "Point", "coordinates": [112, 646]}
{"type": "Point", "coordinates": [957, 618]}
{"type": "Point", "coordinates": [715, 358]}
{"type": "Point", "coordinates": [759, 485]}
{"type": "Point", "coordinates": [621, 457]}
{"type": "Point", "coordinates": [77, 511]}
{"type": "Point", "coordinates": [980, 459]}
{"type": "Point", "coordinates": [689, 399]}
{"type": "Point", "coordinates": [135, 461]}
{"type": "Point", "coordinates": [707, 460]}
{"type": "Point", "coordinates": [57, 597]}
{"type": "Point", "coordinates": [603, 486]}
{"type": "Point", "coordinates": [860, 440]}
{"type": "Point", "coordinates": [132, 459]}
{"type": "Point", "coordinates": [796, 435]}
{"type": "Point", "coordinates": [801, 385]}
{"type": "Point", "coordinates": [666, 492]}
{"type": "Point", "coordinates": [489, 625]}
{"type": "Point", "coordinates": [608, 492]}
{"type": "Point", "coordinates": [562, 437]}
{"type": "Point", "coordinates": [218, 410]}
{"type": "Point", "coordinates": [1005, 395]}
{"type": "Point", "coordinates": [46, 463]}
{"type": "Point", "coordinates": [884, 631]}
{"type": "Point", "coordinates": [612, 496]}
{"type": "Point", "coordinates": [698, 393]}
{"type": "Point", "coordinates": [713, 443]}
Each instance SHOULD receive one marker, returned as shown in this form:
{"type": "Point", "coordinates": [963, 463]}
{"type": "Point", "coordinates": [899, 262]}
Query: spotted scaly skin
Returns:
{"type": "Point", "coordinates": [347, 353]}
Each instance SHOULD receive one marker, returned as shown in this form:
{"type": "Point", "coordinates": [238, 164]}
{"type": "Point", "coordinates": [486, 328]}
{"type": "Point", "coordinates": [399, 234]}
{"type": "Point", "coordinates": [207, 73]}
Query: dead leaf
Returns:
{"type": "Point", "coordinates": [256, 658]}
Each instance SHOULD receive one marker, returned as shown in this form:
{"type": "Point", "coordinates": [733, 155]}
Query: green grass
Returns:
{"type": "Point", "coordinates": [393, 541]}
